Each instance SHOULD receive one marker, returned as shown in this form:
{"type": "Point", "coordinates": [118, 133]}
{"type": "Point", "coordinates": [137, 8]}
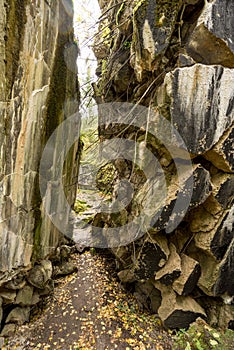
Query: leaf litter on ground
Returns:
{"type": "Point", "coordinates": [91, 310]}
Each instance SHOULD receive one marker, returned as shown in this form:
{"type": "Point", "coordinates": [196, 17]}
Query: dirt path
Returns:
{"type": "Point", "coordinates": [90, 310]}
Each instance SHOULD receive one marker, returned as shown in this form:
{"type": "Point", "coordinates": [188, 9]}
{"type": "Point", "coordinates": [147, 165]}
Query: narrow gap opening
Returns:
{"type": "Point", "coordinates": [94, 173]}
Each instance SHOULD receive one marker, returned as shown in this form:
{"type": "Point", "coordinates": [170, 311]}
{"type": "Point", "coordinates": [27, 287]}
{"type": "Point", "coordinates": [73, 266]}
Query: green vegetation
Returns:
{"type": "Point", "coordinates": [120, 11]}
{"type": "Point", "coordinates": [105, 178]}
{"type": "Point", "coordinates": [200, 336]}
{"type": "Point", "coordinates": [80, 206]}
{"type": "Point", "coordinates": [127, 44]}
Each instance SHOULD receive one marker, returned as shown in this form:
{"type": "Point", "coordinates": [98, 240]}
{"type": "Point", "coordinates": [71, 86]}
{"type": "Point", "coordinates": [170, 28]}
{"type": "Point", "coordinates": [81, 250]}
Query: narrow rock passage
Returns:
{"type": "Point", "coordinates": [91, 310]}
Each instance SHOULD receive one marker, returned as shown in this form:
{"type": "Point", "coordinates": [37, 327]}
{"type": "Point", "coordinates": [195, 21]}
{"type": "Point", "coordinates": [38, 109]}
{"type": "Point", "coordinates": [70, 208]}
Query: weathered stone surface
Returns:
{"type": "Point", "coordinates": [178, 311]}
{"type": "Point", "coordinates": [225, 283]}
{"type": "Point", "coordinates": [1, 310]}
{"type": "Point", "coordinates": [40, 274]}
{"type": "Point", "coordinates": [185, 61]}
{"type": "Point", "coordinates": [19, 315]}
{"type": "Point", "coordinates": [180, 64]}
{"type": "Point", "coordinates": [225, 317]}
{"type": "Point", "coordinates": [222, 155]}
{"type": "Point", "coordinates": [153, 255]}
{"type": "Point", "coordinates": [35, 298]}
{"type": "Point", "coordinates": [223, 189]}
{"type": "Point", "coordinates": [153, 25]}
{"type": "Point", "coordinates": [212, 41]}
{"type": "Point", "coordinates": [200, 180]}
{"type": "Point", "coordinates": [17, 282]}
{"type": "Point", "coordinates": [218, 313]}
{"type": "Point", "coordinates": [2, 342]}
{"type": "Point", "coordinates": [127, 276]}
{"type": "Point", "coordinates": [121, 254]}
{"type": "Point", "coordinates": [38, 91]}
{"type": "Point", "coordinates": [148, 295]}
{"type": "Point", "coordinates": [223, 236]}
{"type": "Point", "coordinates": [215, 233]}
{"type": "Point", "coordinates": [171, 270]}
{"type": "Point", "coordinates": [8, 296]}
{"type": "Point", "coordinates": [25, 296]}
{"type": "Point", "coordinates": [201, 115]}
{"type": "Point", "coordinates": [216, 276]}
{"type": "Point", "coordinates": [8, 330]}
{"type": "Point", "coordinates": [48, 289]}
{"type": "Point", "coordinates": [190, 273]}
{"type": "Point", "coordinates": [64, 269]}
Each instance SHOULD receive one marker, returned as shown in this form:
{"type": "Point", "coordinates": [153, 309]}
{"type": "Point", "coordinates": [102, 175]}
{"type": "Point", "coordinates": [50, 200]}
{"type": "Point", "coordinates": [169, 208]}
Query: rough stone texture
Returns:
{"type": "Point", "coordinates": [1, 310]}
{"type": "Point", "coordinates": [25, 296]}
{"type": "Point", "coordinates": [127, 276]}
{"type": "Point", "coordinates": [153, 25]}
{"type": "Point", "coordinates": [220, 312]}
{"type": "Point", "coordinates": [40, 274]}
{"type": "Point", "coordinates": [8, 296]}
{"type": "Point", "coordinates": [148, 295]}
{"type": "Point", "coordinates": [190, 273]}
{"type": "Point", "coordinates": [200, 115]}
{"type": "Point", "coordinates": [65, 269]}
{"type": "Point", "coordinates": [176, 311]}
{"type": "Point", "coordinates": [149, 260]}
{"type": "Point", "coordinates": [177, 58]}
{"type": "Point", "coordinates": [48, 289]}
{"type": "Point", "coordinates": [38, 91]}
{"type": "Point", "coordinates": [222, 155]}
{"type": "Point", "coordinates": [200, 180]}
{"type": "Point", "coordinates": [8, 330]}
{"type": "Point", "coordinates": [19, 315]}
{"type": "Point", "coordinates": [212, 41]}
{"type": "Point", "coordinates": [224, 283]}
{"type": "Point", "coordinates": [172, 269]}
{"type": "Point", "coordinates": [17, 281]}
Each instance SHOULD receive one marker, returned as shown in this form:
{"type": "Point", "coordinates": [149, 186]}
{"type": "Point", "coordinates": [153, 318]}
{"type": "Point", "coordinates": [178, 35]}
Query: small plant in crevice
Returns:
{"type": "Point", "coordinates": [80, 206]}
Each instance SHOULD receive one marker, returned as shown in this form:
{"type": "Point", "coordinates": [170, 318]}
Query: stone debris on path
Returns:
{"type": "Point", "coordinates": [90, 310]}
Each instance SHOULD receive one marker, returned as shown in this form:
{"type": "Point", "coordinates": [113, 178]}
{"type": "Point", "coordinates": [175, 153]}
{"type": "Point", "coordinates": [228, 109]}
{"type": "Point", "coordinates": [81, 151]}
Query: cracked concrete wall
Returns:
{"type": "Point", "coordinates": [178, 58]}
